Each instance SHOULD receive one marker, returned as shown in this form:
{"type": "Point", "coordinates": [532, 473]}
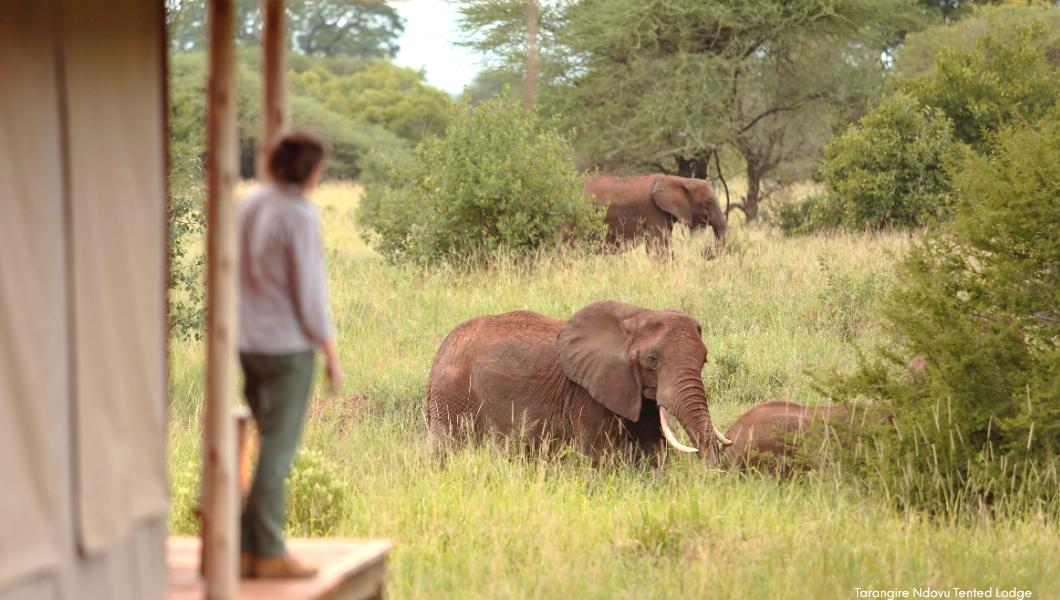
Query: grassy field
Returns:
{"type": "Point", "coordinates": [494, 524]}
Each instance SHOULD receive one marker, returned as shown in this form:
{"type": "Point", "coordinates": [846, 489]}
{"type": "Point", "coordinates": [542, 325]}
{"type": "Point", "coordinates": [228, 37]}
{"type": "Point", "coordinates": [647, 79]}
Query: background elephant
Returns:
{"type": "Point", "coordinates": [766, 436]}
{"type": "Point", "coordinates": [600, 379]}
{"type": "Point", "coordinates": [646, 208]}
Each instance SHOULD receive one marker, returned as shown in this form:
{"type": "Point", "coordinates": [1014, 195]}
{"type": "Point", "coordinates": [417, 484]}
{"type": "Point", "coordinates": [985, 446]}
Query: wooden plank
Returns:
{"type": "Point", "coordinates": [274, 78]}
{"type": "Point", "coordinates": [220, 485]}
{"type": "Point", "coordinates": [348, 570]}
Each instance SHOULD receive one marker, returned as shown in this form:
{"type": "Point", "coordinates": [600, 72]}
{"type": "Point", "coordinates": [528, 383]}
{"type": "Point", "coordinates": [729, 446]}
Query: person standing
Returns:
{"type": "Point", "coordinates": [283, 320]}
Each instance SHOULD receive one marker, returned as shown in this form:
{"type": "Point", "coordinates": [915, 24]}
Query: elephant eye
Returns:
{"type": "Point", "coordinates": [652, 359]}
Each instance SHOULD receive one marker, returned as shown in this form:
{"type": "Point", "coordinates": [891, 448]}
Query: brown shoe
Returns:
{"type": "Point", "coordinates": [246, 565]}
{"type": "Point", "coordinates": [282, 566]}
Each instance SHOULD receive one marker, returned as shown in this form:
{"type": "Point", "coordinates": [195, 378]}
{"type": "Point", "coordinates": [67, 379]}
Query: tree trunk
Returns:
{"type": "Point", "coordinates": [699, 167]}
{"type": "Point", "coordinates": [684, 167]}
{"type": "Point", "coordinates": [531, 54]}
{"type": "Point", "coordinates": [754, 189]}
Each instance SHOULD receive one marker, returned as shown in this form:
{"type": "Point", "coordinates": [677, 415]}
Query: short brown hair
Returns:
{"type": "Point", "coordinates": [295, 156]}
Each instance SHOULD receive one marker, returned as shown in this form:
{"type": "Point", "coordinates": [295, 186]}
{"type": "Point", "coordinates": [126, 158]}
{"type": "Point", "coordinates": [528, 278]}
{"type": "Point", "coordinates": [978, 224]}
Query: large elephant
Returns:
{"type": "Point", "coordinates": [766, 437]}
{"type": "Point", "coordinates": [646, 208]}
{"type": "Point", "coordinates": [603, 380]}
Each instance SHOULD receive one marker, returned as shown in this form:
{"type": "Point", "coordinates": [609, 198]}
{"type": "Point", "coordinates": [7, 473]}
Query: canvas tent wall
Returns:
{"type": "Point", "coordinates": [83, 497]}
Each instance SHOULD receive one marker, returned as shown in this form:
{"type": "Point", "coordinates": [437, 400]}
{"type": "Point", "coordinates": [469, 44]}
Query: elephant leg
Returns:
{"type": "Point", "coordinates": [449, 423]}
{"type": "Point", "coordinates": [595, 431]}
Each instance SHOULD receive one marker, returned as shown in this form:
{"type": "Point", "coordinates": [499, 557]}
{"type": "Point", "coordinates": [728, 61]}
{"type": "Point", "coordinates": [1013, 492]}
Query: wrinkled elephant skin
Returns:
{"type": "Point", "coordinates": [645, 209]}
{"type": "Point", "coordinates": [596, 380]}
{"type": "Point", "coordinates": [765, 437]}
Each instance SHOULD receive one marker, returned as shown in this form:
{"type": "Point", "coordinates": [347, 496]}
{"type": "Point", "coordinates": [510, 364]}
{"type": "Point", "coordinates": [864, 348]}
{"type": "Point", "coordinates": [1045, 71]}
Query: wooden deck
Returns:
{"type": "Point", "coordinates": [349, 570]}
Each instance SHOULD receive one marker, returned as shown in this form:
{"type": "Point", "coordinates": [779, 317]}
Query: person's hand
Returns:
{"type": "Point", "coordinates": [332, 367]}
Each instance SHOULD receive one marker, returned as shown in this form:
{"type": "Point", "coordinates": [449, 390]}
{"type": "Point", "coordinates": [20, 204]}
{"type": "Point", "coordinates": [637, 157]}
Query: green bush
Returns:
{"type": "Point", "coordinates": [316, 496]}
{"type": "Point", "coordinates": [814, 213]}
{"type": "Point", "coordinates": [996, 81]}
{"type": "Point", "coordinates": [185, 212]}
{"type": "Point", "coordinates": [384, 94]}
{"type": "Point", "coordinates": [351, 140]}
{"type": "Point", "coordinates": [889, 169]}
{"type": "Point", "coordinates": [975, 383]}
{"type": "Point", "coordinates": [846, 303]}
{"type": "Point", "coordinates": [919, 50]}
{"type": "Point", "coordinates": [500, 180]}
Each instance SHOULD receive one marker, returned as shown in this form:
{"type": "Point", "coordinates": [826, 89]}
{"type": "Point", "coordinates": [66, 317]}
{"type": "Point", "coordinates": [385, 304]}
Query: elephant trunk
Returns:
{"type": "Point", "coordinates": [686, 399]}
{"type": "Point", "coordinates": [720, 227]}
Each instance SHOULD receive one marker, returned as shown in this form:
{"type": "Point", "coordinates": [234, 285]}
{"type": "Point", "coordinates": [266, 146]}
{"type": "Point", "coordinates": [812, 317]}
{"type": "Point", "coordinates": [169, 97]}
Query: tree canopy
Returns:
{"type": "Point", "coordinates": [395, 98]}
{"type": "Point", "coordinates": [665, 86]}
{"type": "Point", "coordinates": [316, 27]}
{"type": "Point", "coordinates": [1004, 75]}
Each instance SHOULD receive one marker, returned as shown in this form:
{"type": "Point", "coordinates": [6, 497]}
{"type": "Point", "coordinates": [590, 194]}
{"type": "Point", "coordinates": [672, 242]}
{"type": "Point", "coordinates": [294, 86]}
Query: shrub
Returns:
{"type": "Point", "coordinates": [384, 94]}
{"type": "Point", "coordinates": [918, 51]}
{"type": "Point", "coordinates": [889, 169]}
{"type": "Point", "coordinates": [499, 180]}
{"type": "Point", "coordinates": [1000, 78]}
{"type": "Point", "coordinates": [846, 301]}
{"type": "Point", "coordinates": [185, 212]}
{"type": "Point", "coordinates": [974, 385]}
{"type": "Point", "coordinates": [813, 213]}
{"type": "Point", "coordinates": [351, 140]}
{"type": "Point", "coordinates": [316, 496]}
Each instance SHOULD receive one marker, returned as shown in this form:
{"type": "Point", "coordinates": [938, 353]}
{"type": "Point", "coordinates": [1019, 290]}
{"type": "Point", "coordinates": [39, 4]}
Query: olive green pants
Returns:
{"type": "Point", "coordinates": [277, 390]}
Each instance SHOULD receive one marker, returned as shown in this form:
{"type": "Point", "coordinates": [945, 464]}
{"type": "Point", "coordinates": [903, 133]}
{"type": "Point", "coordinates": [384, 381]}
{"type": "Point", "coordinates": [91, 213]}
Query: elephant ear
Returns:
{"type": "Point", "coordinates": [669, 194]}
{"type": "Point", "coordinates": [592, 348]}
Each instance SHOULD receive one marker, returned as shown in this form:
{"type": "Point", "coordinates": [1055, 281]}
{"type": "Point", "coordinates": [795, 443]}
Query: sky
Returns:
{"type": "Point", "coordinates": [430, 29]}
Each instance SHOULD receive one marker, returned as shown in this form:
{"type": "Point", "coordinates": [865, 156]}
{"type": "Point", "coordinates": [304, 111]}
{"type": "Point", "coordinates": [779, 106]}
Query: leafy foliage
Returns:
{"type": "Point", "coordinates": [499, 180]}
{"type": "Point", "coordinates": [392, 97]}
{"type": "Point", "coordinates": [950, 10]}
{"type": "Point", "coordinates": [916, 56]}
{"type": "Point", "coordinates": [974, 386]}
{"type": "Point", "coordinates": [316, 496]}
{"type": "Point", "coordinates": [846, 303]}
{"type": "Point", "coordinates": [666, 86]}
{"type": "Point", "coordinates": [351, 141]}
{"type": "Point", "coordinates": [329, 28]}
{"type": "Point", "coordinates": [889, 170]}
{"type": "Point", "coordinates": [185, 218]}
{"type": "Point", "coordinates": [996, 81]}
{"type": "Point", "coordinates": [316, 27]}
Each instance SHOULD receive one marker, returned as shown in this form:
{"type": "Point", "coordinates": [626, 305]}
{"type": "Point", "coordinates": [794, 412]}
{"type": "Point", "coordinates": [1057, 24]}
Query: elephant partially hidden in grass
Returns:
{"type": "Point", "coordinates": [603, 379]}
{"type": "Point", "coordinates": [646, 208]}
{"type": "Point", "coordinates": [766, 437]}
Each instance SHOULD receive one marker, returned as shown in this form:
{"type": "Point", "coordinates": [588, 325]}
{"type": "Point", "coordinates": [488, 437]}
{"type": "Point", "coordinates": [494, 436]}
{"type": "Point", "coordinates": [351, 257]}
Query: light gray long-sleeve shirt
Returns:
{"type": "Point", "coordinates": [283, 297]}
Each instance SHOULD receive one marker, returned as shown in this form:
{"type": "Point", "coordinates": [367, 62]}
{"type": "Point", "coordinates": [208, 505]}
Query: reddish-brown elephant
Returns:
{"type": "Point", "coordinates": [646, 209]}
{"type": "Point", "coordinates": [603, 380]}
{"type": "Point", "coordinates": [766, 437]}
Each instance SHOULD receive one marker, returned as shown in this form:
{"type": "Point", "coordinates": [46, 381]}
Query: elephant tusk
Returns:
{"type": "Point", "coordinates": [721, 438]}
{"type": "Point", "coordinates": [669, 435]}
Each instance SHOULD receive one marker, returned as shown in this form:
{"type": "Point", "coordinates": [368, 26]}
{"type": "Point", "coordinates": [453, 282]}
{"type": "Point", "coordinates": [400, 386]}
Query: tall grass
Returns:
{"type": "Point", "coordinates": [497, 524]}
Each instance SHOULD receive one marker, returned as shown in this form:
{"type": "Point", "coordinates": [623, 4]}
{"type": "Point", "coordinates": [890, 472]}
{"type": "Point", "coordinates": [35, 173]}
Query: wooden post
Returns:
{"type": "Point", "coordinates": [221, 543]}
{"type": "Point", "coordinates": [531, 54]}
{"type": "Point", "coordinates": [274, 67]}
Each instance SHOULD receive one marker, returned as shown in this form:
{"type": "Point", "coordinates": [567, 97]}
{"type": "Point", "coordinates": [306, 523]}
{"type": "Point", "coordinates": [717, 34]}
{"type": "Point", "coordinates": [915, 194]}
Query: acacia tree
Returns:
{"type": "Point", "coordinates": [805, 91]}
{"type": "Point", "coordinates": [665, 86]}
{"type": "Point", "coordinates": [316, 27]}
